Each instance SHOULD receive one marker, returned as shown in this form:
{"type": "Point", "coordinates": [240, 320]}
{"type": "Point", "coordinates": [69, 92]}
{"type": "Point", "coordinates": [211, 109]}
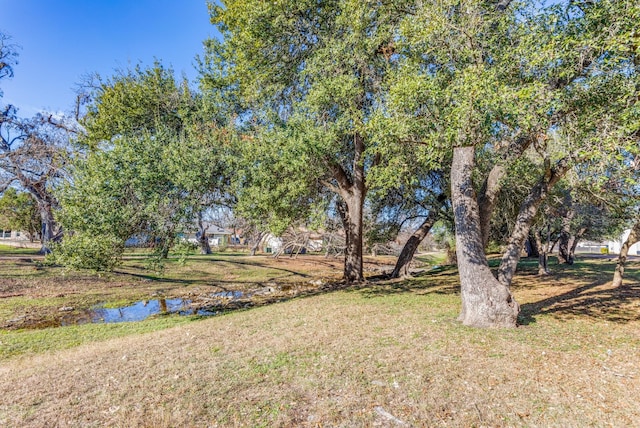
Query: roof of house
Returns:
{"type": "Point", "coordinates": [213, 229]}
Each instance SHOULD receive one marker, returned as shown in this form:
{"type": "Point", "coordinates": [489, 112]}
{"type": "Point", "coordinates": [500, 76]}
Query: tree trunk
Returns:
{"type": "Point", "coordinates": [165, 244]}
{"type": "Point", "coordinates": [543, 254]}
{"type": "Point", "coordinates": [564, 255]}
{"type": "Point", "coordinates": [533, 245]}
{"type": "Point", "coordinates": [573, 243]}
{"type": "Point", "coordinates": [543, 264]}
{"type": "Point", "coordinates": [525, 219]}
{"type": "Point", "coordinates": [488, 197]}
{"type": "Point", "coordinates": [352, 220]}
{"type": "Point", "coordinates": [410, 247]}
{"type": "Point", "coordinates": [352, 190]}
{"type": "Point", "coordinates": [485, 301]}
{"type": "Point", "coordinates": [634, 236]}
{"type": "Point", "coordinates": [203, 239]}
{"type": "Point", "coordinates": [48, 227]}
{"type": "Point", "coordinates": [256, 244]}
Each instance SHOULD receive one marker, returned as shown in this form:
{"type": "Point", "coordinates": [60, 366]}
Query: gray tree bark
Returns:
{"type": "Point", "coordinates": [49, 231]}
{"type": "Point", "coordinates": [408, 251]}
{"type": "Point", "coordinates": [485, 301]}
{"type": "Point", "coordinates": [633, 237]}
{"type": "Point", "coordinates": [564, 241]}
{"type": "Point", "coordinates": [543, 255]}
{"type": "Point", "coordinates": [526, 216]}
{"type": "Point", "coordinates": [352, 190]}
{"type": "Point", "coordinates": [573, 243]}
{"type": "Point", "coordinates": [352, 220]}
{"type": "Point", "coordinates": [488, 197]}
{"type": "Point", "coordinates": [258, 238]}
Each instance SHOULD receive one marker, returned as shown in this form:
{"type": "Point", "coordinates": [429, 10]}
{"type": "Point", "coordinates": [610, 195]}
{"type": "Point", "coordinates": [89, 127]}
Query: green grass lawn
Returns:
{"type": "Point", "coordinates": [7, 250]}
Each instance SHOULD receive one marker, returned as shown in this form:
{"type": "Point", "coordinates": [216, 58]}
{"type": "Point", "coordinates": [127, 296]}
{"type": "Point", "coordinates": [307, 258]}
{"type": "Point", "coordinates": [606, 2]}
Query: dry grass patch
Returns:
{"type": "Point", "coordinates": [382, 355]}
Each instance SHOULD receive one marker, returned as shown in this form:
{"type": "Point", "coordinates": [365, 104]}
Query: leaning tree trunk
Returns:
{"type": "Point", "coordinates": [573, 243]}
{"type": "Point", "coordinates": [485, 301]}
{"type": "Point", "coordinates": [256, 244]}
{"type": "Point", "coordinates": [525, 219]}
{"type": "Point", "coordinates": [488, 197]}
{"type": "Point", "coordinates": [410, 247]}
{"type": "Point", "coordinates": [634, 236]}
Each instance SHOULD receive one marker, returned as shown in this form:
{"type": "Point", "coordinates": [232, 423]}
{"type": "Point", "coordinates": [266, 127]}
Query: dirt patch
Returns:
{"type": "Point", "coordinates": [36, 296]}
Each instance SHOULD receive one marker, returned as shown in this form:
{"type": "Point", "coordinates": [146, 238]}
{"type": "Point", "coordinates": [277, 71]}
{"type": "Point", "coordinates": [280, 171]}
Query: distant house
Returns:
{"type": "Point", "coordinates": [271, 244]}
{"type": "Point", "coordinates": [139, 240]}
{"type": "Point", "coordinates": [217, 235]}
{"type": "Point", "coordinates": [615, 245]}
{"type": "Point", "coordinates": [592, 247]}
{"type": "Point", "coordinates": [13, 235]}
{"type": "Point", "coordinates": [304, 242]}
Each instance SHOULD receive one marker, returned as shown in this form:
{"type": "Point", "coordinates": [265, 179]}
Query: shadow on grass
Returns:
{"type": "Point", "coordinates": [590, 295]}
{"type": "Point", "coordinates": [593, 297]}
{"type": "Point", "coordinates": [611, 304]}
{"type": "Point", "coordinates": [439, 280]}
{"type": "Point", "coordinates": [585, 292]}
{"type": "Point", "coordinates": [203, 280]}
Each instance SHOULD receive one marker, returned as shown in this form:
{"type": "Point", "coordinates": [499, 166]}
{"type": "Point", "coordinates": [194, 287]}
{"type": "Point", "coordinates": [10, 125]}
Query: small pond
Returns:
{"type": "Point", "coordinates": [144, 309]}
{"type": "Point", "coordinates": [209, 305]}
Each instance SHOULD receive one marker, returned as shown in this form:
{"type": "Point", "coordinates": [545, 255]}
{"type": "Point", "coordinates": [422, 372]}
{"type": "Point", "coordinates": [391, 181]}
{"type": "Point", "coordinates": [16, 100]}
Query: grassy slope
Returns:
{"type": "Point", "coordinates": [338, 359]}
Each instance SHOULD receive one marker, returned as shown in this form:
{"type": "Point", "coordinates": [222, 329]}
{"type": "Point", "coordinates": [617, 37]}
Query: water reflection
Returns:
{"type": "Point", "coordinates": [228, 294]}
{"type": "Point", "coordinates": [142, 310]}
{"type": "Point", "coordinates": [139, 311]}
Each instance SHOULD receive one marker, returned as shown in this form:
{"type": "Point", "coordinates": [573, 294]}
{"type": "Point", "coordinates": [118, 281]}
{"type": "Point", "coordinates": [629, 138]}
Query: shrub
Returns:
{"type": "Point", "coordinates": [183, 249]}
{"type": "Point", "coordinates": [83, 251]}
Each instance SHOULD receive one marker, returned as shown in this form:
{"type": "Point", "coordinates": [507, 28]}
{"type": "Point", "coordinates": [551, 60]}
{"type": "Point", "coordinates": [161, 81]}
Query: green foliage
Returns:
{"type": "Point", "coordinates": [278, 183]}
{"type": "Point", "coordinates": [135, 103]}
{"type": "Point", "coordinates": [153, 161]}
{"type": "Point", "coordinates": [183, 249]}
{"type": "Point", "coordinates": [87, 251]}
{"type": "Point", "coordinates": [310, 80]}
{"type": "Point", "coordinates": [18, 211]}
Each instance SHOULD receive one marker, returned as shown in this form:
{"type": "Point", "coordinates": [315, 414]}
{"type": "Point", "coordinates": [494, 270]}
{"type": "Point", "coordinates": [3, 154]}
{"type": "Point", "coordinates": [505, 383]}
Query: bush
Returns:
{"type": "Point", "coordinates": [83, 251]}
{"type": "Point", "coordinates": [222, 247]}
{"type": "Point", "coordinates": [183, 249]}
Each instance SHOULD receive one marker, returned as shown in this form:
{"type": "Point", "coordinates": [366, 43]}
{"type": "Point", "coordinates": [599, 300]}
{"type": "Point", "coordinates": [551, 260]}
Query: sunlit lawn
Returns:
{"type": "Point", "coordinates": [331, 357]}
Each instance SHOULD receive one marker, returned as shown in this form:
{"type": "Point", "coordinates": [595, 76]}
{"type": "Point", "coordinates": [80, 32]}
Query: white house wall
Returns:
{"type": "Point", "coordinates": [615, 246]}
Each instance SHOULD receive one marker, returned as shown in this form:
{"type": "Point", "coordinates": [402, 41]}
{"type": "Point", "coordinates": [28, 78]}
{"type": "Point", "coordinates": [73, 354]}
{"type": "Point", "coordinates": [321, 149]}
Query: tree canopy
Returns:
{"type": "Point", "coordinates": [152, 161]}
{"type": "Point", "coordinates": [371, 112]}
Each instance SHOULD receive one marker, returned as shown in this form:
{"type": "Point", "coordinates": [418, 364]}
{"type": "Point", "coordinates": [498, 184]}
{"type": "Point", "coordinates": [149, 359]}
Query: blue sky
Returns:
{"type": "Point", "coordinates": [62, 41]}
